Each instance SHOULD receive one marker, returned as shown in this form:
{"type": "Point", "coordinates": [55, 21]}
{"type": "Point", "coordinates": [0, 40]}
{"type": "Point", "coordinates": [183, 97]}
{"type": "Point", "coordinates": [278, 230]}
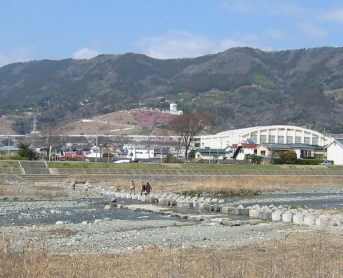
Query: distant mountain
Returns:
{"type": "Point", "coordinates": [239, 87]}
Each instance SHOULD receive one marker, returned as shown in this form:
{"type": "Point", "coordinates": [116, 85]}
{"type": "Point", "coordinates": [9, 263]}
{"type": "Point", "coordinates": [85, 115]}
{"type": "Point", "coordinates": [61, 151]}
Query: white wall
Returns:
{"type": "Point", "coordinates": [335, 153]}
{"type": "Point", "coordinates": [241, 155]}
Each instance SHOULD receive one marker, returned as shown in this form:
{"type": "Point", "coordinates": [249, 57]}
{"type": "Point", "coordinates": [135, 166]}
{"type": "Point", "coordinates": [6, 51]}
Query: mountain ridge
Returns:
{"type": "Point", "coordinates": [240, 86]}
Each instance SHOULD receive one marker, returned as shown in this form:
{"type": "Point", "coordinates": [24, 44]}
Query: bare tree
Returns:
{"type": "Point", "coordinates": [187, 126]}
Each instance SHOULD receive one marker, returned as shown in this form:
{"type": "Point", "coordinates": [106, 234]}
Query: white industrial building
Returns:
{"type": "Point", "coordinates": [281, 134]}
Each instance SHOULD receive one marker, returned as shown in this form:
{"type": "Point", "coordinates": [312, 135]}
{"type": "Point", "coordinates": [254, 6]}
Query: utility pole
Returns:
{"type": "Point", "coordinates": [8, 146]}
{"type": "Point", "coordinates": [96, 147]}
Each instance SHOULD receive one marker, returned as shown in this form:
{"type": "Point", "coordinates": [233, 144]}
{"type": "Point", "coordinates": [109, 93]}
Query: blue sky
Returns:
{"type": "Point", "coordinates": [57, 29]}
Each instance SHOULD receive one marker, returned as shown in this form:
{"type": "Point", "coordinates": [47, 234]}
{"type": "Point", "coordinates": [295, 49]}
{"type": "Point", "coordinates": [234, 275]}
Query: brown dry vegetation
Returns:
{"type": "Point", "coordinates": [295, 255]}
{"type": "Point", "coordinates": [123, 119]}
{"type": "Point", "coordinates": [45, 192]}
{"type": "Point", "coordinates": [234, 183]}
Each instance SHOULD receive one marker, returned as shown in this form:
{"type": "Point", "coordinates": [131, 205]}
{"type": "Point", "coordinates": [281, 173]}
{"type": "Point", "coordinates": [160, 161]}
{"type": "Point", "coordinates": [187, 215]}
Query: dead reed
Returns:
{"type": "Point", "coordinates": [295, 255]}
{"type": "Point", "coordinates": [44, 192]}
{"type": "Point", "coordinates": [234, 183]}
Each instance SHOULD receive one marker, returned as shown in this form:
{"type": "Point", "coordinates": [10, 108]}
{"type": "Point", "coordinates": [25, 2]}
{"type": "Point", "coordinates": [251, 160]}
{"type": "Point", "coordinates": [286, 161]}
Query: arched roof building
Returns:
{"type": "Point", "coordinates": [281, 134]}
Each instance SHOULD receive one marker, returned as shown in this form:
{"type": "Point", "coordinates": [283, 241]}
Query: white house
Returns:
{"type": "Point", "coordinates": [135, 152]}
{"type": "Point", "coordinates": [242, 150]}
{"type": "Point", "coordinates": [334, 151]}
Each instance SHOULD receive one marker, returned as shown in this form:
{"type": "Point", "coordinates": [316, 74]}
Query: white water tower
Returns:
{"type": "Point", "coordinates": [173, 108]}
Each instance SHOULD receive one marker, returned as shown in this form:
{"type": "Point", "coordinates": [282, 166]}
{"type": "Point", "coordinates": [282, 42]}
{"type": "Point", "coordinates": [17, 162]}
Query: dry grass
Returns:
{"type": "Point", "coordinates": [63, 232]}
{"type": "Point", "coordinates": [296, 255]}
{"type": "Point", "coordinates": [44, 192]}
{"type": "Point", "coordinates": [234, 183]}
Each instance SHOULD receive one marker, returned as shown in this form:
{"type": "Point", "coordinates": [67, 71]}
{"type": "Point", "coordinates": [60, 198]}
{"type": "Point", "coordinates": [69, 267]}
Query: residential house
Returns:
{"type": "Point", "coordinates": [302, 150]}
{"type": "Point", "coordinates": [9, 150]}
{"type": "Point", "coordinates": [334, 151]}
{"type": "Point", "coordinates": [241, 151]}
{"type": "Point", "coordinates": [210, 154]}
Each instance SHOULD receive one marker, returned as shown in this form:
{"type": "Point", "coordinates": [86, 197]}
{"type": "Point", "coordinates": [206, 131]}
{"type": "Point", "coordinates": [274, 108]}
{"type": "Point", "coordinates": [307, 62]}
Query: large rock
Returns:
{"type": "Point", "coordinates": [107, 207]}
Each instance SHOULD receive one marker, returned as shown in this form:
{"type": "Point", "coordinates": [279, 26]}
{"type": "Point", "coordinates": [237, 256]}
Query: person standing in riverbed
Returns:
{"type": "Point", "coordinates": [142, 188]}
{"type": "Point", "coordinates": [132, 186]}
{"type": "Point", "coordinates": [148, 188]}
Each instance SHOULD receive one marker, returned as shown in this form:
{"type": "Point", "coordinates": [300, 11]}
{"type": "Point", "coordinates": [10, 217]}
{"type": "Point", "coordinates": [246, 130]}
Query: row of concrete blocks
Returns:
{"type": "Point", "coordinates": [272, 214]}
{"type": "Point", "coordinates": [169, 196]}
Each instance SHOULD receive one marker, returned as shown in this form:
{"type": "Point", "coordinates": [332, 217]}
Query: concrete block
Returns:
{"type": "Point", "coordinates": [287, 217]}
{"type": "Point", "coordinates": [107, 207]}
{"type": "Point", "coordinates": [323, 220]}
{"type": "Point", "coordinates": [144, 198]}
{"type": "Point", "coordinates": [276, 215]}
{"type": "Point", "coordinates": [267, 215]}
{"type": "Point", "coordinates": [153, 200]}
{"type": "Point", "coordinates": [206, 206]}
{"type": "Point", "coordinates": [228, 210]}
{"type": "Point", "coordinates": [216, 208]}
{"type": "Point", "coordinates": [184, 204]}
{"type": "Point", "coordinates": [246, 211]}
{"type": "Point", "coordinates": [260, 213]}
{"type": "Point", "coordinates": [59, 223]}
{"type": "Point", "coordinates": [163, 202]}
{"type": "Point", "coordinates": [112, 198]}
{"type": "Point", "coordinates": [298, 218]}
{"type": "Point", "coordinates": [253, 213]}
{"type": "Point", "coordinates": [239, 210]}
{"type": "Point", "coordinates": [128, 196]}
{"type": "Point", "coordinates": [309, 220]}
{"type": "Point", "coordinates": [172, 202]}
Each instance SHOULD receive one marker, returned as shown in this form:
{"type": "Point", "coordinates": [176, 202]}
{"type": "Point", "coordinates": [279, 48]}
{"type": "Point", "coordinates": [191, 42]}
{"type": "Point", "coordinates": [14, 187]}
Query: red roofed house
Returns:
{"type": "Point", "coordinates": [240, 151]}
{"type": "Point", "coordinates": [71, 155]}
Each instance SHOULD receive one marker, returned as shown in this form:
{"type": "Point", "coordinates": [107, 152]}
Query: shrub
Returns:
{"type": "Point", "coordinates": [288, 157]}
{"type": "Point", "coordinates": [309, 161]}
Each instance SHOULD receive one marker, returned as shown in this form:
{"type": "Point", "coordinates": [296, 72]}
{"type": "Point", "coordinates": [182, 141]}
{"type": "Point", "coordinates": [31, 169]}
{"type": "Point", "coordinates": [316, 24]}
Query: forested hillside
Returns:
{"type": "Point", "coordinates": [239, 87]}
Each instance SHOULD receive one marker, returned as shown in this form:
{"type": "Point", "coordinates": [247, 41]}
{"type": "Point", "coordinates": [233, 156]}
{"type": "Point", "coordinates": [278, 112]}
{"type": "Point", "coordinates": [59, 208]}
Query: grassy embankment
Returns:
{"type": "Point", "coordinates": [295, 255]}
{"type": "Point", "coordinates": [217, 185]}
{"type": "Point", "coordinates": [9, 164]}
{"type": "Point", "coordinates": [186, 166]}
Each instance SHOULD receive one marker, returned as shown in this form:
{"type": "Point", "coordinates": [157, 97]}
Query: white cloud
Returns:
{"type": "Point", "coordinates": [334, 15]}
{"type": "Point", "coordinates": [183, 44]}
{"type": "Point", "coordinates": [312, 30]}
{"type": "Point", "coordinates": [21, 54]}
{"type": "Point", "coordinates": [85, 53]}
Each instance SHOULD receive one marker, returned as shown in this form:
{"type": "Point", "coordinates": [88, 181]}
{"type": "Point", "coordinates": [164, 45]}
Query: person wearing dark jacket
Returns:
{"type": "Point", "coordinates": [148, 188]}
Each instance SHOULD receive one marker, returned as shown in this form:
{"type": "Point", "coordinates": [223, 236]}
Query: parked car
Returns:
{"type": "Point", "coordinates": [121, 161]}
{"type": "Point", "coordinates": [326, 163]}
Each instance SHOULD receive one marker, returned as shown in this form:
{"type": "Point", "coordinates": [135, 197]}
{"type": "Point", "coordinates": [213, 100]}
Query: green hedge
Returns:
{"type": "Point", "coordinates": [277, 160]}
